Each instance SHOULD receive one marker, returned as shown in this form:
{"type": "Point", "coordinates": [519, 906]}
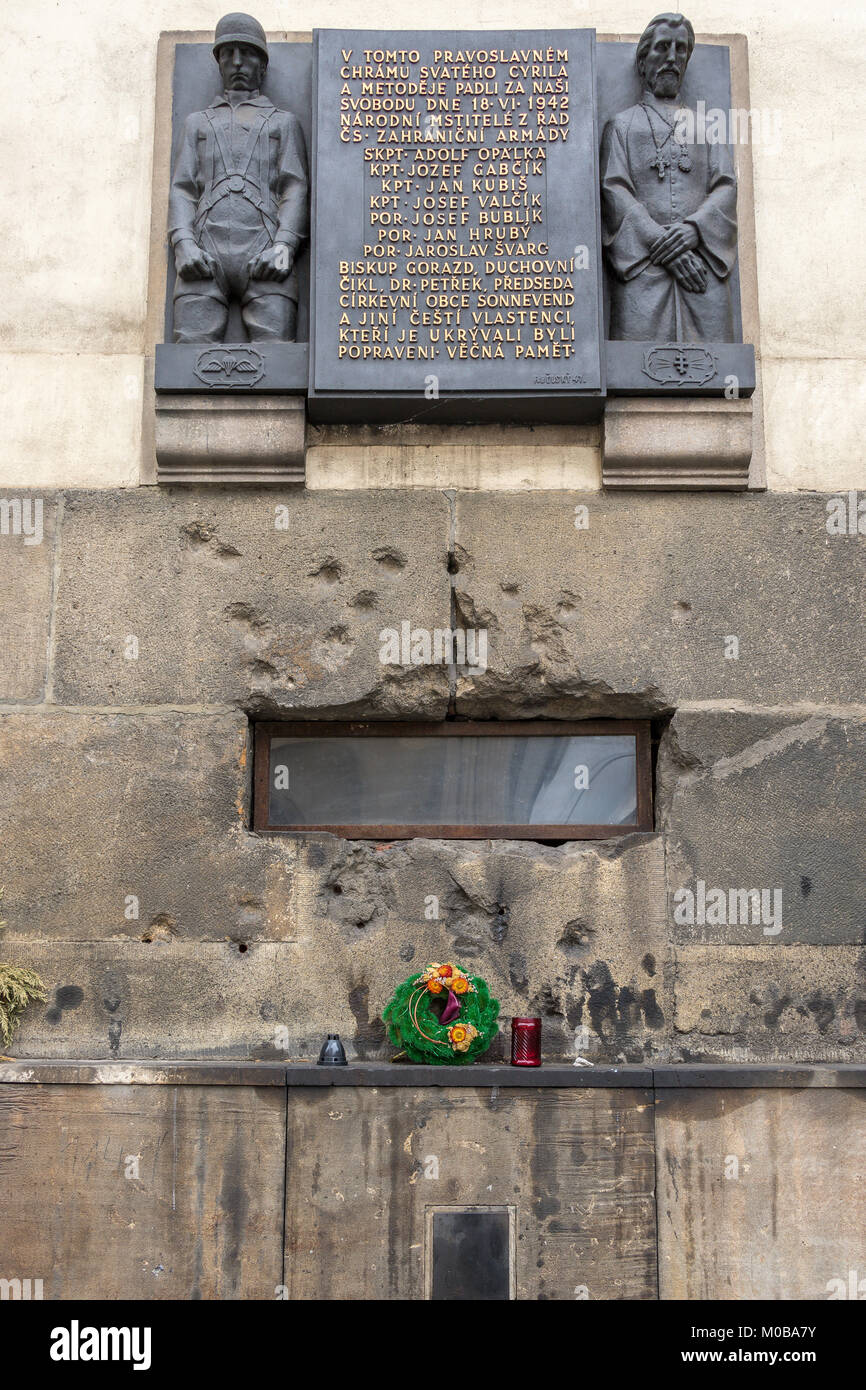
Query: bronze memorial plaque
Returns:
{"type": "Point", "coordinates": [456, 229]}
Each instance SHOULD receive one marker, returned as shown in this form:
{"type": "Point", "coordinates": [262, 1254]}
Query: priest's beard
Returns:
{"type": "Point", "coordinates": [666, 86]}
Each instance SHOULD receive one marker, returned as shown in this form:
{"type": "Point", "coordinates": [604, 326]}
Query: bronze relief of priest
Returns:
{"type": "Point", "coordinates": [669, 206]}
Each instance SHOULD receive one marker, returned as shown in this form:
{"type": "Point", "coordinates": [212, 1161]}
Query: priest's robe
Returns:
{"type": "Point", "coordinates": [646, 302]}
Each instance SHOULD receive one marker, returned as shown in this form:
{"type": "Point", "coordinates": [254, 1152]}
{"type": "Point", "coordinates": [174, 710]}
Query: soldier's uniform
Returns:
{"type": "Point", "coordinates": [240, 184]}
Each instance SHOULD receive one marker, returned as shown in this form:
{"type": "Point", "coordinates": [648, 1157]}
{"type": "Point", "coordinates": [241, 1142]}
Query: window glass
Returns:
{"type": "Point", "coordinates": [496, 780]}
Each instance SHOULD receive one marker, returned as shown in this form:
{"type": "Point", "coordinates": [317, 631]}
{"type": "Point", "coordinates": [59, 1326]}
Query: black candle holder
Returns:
{"type": "Point", "coordinates": [333, 1054]}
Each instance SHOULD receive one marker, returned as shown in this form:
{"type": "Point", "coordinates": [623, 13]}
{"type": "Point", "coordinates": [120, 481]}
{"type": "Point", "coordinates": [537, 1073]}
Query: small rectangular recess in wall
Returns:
{"type": "Point", "coordinates": [539, 780]}
{"type": "Point", "coordinates": [470, 1254]}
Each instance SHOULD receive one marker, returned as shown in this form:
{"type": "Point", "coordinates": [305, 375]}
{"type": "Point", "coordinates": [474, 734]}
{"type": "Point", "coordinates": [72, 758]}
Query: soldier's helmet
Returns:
{"type": "Point", "coordinates": [240, 28]}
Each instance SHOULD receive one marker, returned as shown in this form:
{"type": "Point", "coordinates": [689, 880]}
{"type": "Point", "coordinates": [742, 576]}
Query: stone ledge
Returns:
{"type": "Point", "coordinates": [249, 440]}
{"type": "Point", "coordinates": [83, 1072]}
{"type": "Point", "coordinates": [687, 444]}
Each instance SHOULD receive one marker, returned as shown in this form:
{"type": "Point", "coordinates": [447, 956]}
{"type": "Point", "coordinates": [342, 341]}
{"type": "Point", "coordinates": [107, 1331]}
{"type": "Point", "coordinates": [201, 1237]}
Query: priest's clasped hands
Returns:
{"type": "Point", "coordinates": [674, 248]}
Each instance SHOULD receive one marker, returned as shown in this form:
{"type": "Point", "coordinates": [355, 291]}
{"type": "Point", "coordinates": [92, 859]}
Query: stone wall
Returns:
{"type": "Point", "coordinates": [231, 1181]}
{"type": "Point", "coordinates": [77, 234]}
{"type": "Point", "coordinates": [165, 928]}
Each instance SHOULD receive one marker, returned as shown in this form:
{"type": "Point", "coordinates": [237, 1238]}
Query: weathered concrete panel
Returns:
{"type": "Point", "coordinates": [108, 815]}
{"type": "Point", "coordinates": [27, 565]}
{"type": "Point", "coordinates": [795, 1003]}
{"type": "Point", "coordinates": [573, 934]}
{"type": "Point", "coordinates": [544, 926]}
{"type": "Point", "coordinates": [143, 1192]}
{"type": "Point", "coordinates": [631, 614]}
{"type": "Point", "coordinates": [117, 999]}
{"type": "Point", "coordinates": [761, 1193]}
{"type": "Point", "coordinates": [229, 609]}
{"type": "Point", "coordinates": [365, 1165]}
{"type": "Point", "coordinates": [765, 801]}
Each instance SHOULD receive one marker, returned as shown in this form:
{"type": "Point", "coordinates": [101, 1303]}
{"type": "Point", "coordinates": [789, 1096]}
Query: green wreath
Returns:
{"type": "Point", "coordinates": [442, 1015]}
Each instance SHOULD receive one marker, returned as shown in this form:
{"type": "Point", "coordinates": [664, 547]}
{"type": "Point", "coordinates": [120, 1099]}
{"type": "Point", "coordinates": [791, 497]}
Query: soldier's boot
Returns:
{"type": "Point", "coordinates": [200, 318]}
{"type": "Point", "coordinates": [270, 317]}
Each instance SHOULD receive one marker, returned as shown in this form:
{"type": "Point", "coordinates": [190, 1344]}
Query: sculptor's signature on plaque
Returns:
{"type": "Point", "coordinates": [565, 380]}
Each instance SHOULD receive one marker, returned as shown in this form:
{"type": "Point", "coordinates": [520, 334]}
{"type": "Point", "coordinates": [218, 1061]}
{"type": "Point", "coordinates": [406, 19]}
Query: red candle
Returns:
{"type": "Point", "coordinates": [526, 1042]}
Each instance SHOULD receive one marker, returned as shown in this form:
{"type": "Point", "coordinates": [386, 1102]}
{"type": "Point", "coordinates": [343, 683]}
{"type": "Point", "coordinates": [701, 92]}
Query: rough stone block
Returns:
{"type": "Point", "coordinates": [760, 1194]}
{"type": "Point", "coordinates": [576, 1168]}
{"type": "Point", "coordinates": [27, 562]}
{"type": "Point", "coordinates": [273, 602]}
{"type": "Point", "coordinates": [794, 1003]}
{"type": "Point", "coordinates": [143, 1192]}
{"type": "Point", "coordinates": [629, 614]}
{"type": "Point", "coordinates": [572, 934]}
{"type": "Point", "coordinates": [131, 827]}
{"type": "Point", "coordinates": [127, 999]}
{"type": "Point", "coordinates": [765, 801]}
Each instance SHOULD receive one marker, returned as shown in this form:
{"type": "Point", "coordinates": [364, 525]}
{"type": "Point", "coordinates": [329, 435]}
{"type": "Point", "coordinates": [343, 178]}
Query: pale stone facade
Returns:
{"type": "Point", "coordinates": [76, 239]}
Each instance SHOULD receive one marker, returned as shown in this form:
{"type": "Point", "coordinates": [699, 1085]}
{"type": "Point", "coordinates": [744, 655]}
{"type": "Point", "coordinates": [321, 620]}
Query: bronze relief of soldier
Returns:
{"type": "Point", "coordinates": [239, 202]}
{"type": "Point", "coordinates": [669, 206]}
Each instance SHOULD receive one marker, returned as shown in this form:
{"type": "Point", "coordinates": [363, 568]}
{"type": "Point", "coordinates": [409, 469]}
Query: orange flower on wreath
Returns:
{"type": "Point", "coordinates": [461, 1036]}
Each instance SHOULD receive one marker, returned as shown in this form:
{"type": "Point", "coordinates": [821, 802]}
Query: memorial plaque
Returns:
{"type": "Point", "coordinates": [456, 241]}
{"type": "Point", "coordinates": [471, 1259]}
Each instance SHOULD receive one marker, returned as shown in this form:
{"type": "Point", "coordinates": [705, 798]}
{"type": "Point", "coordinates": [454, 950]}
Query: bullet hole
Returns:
{"type": "Point", "coordinates": [407, 951]}
{"type": "Point", "coordinates": [111, 1003]}
{"type": "Point", "coordinates": [649, 964]}
{"type": "Point", "coordinates": [65, 997]}
{"type": "Point", "coordinates": [773, 1014]}
{"type": "Point", "coordinates": [197, 532]}
{"type": "Point", "coordinates": [242, 947]}
{"type": "Point", "coordinates": [390, 558]}
{"type": "Point", "coordinates": [453, 563]}
{"type": "Point", "coordinates": [329, 572]}
{"type": "Point", "coordinates": [68, 996]}
{"type": "Point", "coordinates": [162, 927]}
{"type": "Point", "coordinates": [682, 611]}
{"type": "Point", "coordinates": [365, 598]}
{"type": "Point", "coordinates": [823, 1009]}
{"type": "Point", "coordinates": [499, 927]}
{"type": "Point", "coordinates": [805, 885]}
{"type": "Point", "coordinates": [576, 934]}
{"type": "Point", "coordinates": [336, 889]}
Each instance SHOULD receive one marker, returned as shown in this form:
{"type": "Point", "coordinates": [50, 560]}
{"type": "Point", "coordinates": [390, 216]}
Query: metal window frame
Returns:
{"type": "Point", "coordinates": [640, 729]}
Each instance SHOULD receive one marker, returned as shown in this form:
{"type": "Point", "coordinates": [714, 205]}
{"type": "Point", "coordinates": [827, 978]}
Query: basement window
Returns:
{"type": "Point", "coordinates": [544, 780]}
